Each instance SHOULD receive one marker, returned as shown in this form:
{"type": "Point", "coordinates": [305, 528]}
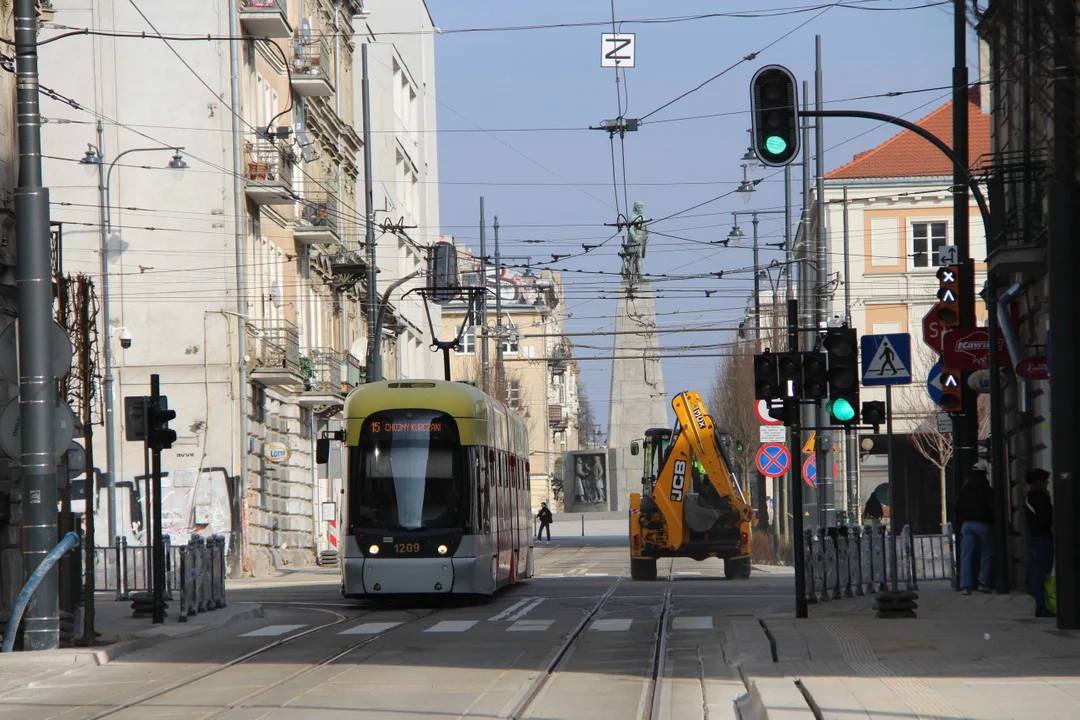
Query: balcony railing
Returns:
{"type": "Point", "coordinates": [322, 368]}
{"type": "Point", "coordinates": [268, 172]}
{"type": "Point", "coordinates": [311, 67]}
{"type": "Point", "coordinates": [276, 347]}
{"type": "Point", "coordinates": [557, 417]}
{"type": "Point", "coordinates": [265, 18]}
{"type": "Point", "coordinates": [319, 220]}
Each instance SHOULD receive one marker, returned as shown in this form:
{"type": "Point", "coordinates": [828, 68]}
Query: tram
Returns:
{"type": "Point", "coordinates": [436, 491]}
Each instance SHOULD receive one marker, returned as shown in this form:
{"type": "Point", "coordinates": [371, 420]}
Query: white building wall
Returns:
{"type": "Point", "coordinates": [404, 165]}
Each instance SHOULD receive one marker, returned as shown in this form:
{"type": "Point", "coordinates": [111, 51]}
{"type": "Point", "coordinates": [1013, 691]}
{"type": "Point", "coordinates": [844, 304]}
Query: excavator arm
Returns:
{"type": "Point", "coordinates": [687, 498]}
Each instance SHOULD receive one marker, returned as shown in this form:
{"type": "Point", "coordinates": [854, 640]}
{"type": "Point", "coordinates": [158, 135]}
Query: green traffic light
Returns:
{"type": "Point", "coordinates": [775, 144]}
{"type": "Point", "coordinates": [841, 410]}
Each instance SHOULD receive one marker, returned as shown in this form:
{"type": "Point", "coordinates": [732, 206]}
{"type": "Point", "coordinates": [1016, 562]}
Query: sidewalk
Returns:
{"type": "Point", "coordinates": [979, 657]}
{"type": "Point", "coordinates": [119, 634]}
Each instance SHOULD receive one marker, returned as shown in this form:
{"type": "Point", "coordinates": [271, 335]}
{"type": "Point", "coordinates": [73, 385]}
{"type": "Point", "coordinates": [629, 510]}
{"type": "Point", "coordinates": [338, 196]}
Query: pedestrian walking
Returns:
{"type": "Point", "coordinates": [975, 506]}
{"type": "Point", "coordinates": [545, 517]}
{"type": "Point", "coordinates": [1039, 510]}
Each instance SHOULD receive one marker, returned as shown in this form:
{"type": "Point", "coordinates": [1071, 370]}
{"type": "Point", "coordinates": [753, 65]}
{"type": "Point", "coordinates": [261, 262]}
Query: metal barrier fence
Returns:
{"type": "Point", "coordinates": [851, 560]}
{"type": "Point", "coordinates": [202, 575]}
{"type": "Point", "coordinates": [128, 568]}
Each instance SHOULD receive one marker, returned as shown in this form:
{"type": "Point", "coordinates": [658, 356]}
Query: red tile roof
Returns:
{"type": "Point", "coordinates": [907, 155]}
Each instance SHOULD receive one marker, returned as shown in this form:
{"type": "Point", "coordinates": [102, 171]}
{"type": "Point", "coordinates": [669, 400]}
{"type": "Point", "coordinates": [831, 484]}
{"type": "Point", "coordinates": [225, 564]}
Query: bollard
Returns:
{"type": "Point", "coordinates": [118, 571]}
{"type": "Point", "coordinates": [911, 558]}
{"type": "Point", "coordinates": [582, 524]}
{"type": "Point", "coordinates": [950, 561]}
{"type": "Point", "coordinates": [883, 585]}
{"type": "Point", "coordinates": [822, 563]}
{"type": "Point", "coordinates": [168, 568]}
{"type": "Point", "coordinates": [808, 562]}
{"type": "Point", "coordinates": [182, 613]}
{"type": "Point", "coordinates": [224, 598]}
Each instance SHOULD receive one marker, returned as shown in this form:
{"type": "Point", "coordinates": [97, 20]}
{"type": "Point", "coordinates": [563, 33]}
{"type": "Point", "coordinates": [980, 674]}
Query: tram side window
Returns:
{"type": "Point", "coordinates": [483, 489]}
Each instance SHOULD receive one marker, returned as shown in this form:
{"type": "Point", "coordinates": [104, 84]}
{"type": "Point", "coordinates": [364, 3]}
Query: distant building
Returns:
{"type": "Point", "coordinates": [539, 379]}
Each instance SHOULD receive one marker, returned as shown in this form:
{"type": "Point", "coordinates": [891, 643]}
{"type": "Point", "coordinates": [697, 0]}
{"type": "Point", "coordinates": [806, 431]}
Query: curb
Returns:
{"type": "Point", "coordinates": [774, 699]}
{"type": "Point", "coordinates": [116, 650]}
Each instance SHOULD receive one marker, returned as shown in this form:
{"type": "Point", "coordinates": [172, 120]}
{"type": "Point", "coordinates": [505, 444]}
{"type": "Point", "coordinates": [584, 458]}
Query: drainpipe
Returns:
{"type": "Point", "coordinates": [1011, 342]}
{"type": "Point", "coordinates": [237, 564]}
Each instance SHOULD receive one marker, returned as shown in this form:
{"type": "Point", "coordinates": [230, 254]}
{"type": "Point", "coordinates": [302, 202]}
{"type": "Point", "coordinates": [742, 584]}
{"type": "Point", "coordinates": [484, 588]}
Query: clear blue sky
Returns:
{"type": "Point", "coordinates": [556, 185]}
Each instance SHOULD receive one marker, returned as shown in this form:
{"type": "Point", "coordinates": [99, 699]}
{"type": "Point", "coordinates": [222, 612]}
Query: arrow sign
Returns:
{"type": "Point", "coordinates": [949, 380]}
{"type": "Point", "coordinates": [933, 383]}
{"type": "Point", "coordinates": [946, 295]}
{"type": "Point", "coordinates": [773, 460]}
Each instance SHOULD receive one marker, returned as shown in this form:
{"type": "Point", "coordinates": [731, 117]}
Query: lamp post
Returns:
{"type": "Point", "coordinates": [95, 156]}
{"type": "Point", "coordinates": [737, 234]}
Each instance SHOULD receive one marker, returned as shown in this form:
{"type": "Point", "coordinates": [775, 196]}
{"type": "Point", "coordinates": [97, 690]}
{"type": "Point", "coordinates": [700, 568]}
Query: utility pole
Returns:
{"type": "Point", "coordinates": [37, 385]}
{"type": "Point", "coordinates": [851, 451]}
{"type": "Point", "coordinates": [482, 336]}
{"type": "Point", "coordinates": [374, 363]}
{"type": "Point", "coordinates": [806, 322]}
{"type": "Point", "coordinates": [500, 370]}
{"type": "Point", "coordinates": [757, 288]}
{"type": "Point", "coordinates": [826, 491]}
{"type": "Point", "coordinates": [106, 325]}
{"type": "Point", "coordinates": [965, 425]}
{"type": "Point", "coordinates": [1063, 222]}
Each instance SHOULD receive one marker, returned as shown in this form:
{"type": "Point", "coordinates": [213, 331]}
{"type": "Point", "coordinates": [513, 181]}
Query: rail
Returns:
{"type": "Point", "coordinates": [855, 560]}
{"type": "Point", "coordinates": [275, 344]}
{"type": "Point", "coordinates": [127, 569]}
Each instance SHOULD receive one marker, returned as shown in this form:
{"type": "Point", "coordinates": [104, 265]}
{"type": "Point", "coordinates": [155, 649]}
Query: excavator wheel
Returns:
{"type": "Point", "coordinates": [737, 568]}
{"type": "Point", "coordinates": [643, 568]}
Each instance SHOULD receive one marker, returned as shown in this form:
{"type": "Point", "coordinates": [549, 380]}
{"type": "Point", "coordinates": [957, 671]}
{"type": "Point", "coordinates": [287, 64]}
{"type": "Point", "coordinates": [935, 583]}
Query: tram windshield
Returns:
{"type": "Point", "coordinates": [403, 476]}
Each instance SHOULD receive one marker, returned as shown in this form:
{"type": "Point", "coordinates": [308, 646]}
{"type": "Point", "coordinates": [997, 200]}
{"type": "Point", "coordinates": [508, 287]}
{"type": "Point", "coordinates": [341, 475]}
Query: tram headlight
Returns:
{"type": "Point", "coordinates": [373, 550]}
{"type": "Point", "coordinates": [443, 549]}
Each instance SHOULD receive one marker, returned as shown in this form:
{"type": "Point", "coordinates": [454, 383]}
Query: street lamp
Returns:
{"type": "Point", "coordinates": [95, 156]}
{"type": "Point", "coordinates": [736, 232]}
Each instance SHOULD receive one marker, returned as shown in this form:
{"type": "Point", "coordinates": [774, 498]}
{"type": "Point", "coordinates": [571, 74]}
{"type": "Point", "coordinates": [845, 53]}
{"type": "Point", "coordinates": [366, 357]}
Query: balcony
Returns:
{"type": "Point", "coordinates": [322, 371]}
{"type": "Point", "coordinates": [319, 221]}
{"type": "Point", "coordinates": [275, 348]}
{"type": "Point", "coordinates": [311, 67]}
{"type": "Point", "coordinates": [268, 172]}
{"type": "Point", "coordinates": [557, 418]}
{"type": "Point", "coordinates": [265, 18]}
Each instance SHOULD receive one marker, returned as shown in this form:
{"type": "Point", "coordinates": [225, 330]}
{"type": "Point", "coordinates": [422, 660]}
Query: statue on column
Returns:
{"type": "Point", "coordinates": [633, 250]}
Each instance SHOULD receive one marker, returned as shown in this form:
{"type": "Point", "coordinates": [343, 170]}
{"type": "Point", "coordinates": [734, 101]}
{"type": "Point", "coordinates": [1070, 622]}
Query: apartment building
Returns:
{"type": "Point", "coordinates": [235, 209]}
{"type": "Point", "coordinates": [535, 372]}
{"type": "Point", "coordinates": [896, 204]}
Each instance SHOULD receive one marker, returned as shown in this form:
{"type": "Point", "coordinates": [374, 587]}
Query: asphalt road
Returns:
{"type": "Point", "coordinates": [581, 640]}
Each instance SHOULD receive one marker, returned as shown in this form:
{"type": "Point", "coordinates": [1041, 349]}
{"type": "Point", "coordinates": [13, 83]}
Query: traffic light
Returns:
{"type": "Point", "coordinates": [841, 346]}
{"type": "Point", "coordinates": [814, 375]}
{"type": "Point", "coordinates": [952, 382]}
{"type": "Point", "coordinates": [948, 295]}
{"type": "Point", "coordinates": [873, 413]}
{"type": "Point", "coordinates": [782, 411]}
{"type": "Point", "coordinates": [774, 103]}
{"type": "Point", "coordinates": [159, 436]}
{"type": "Point", "coordinates": [135, 417]}
{"type": "Point", "coordinates": [789, 366]}
{"type": "Point", "coordinates": [766, 385]}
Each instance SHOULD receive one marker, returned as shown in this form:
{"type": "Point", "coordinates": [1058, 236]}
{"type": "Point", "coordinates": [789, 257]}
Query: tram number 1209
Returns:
{"type": "Point", "coordinates": [405, 548]}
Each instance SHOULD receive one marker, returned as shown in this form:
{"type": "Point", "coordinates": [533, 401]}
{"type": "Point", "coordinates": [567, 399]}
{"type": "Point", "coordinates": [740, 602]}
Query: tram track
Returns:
{"type": "Point", "coordinates": [649, 708]}
{"type": "Point", "coordinates": [249, 656]}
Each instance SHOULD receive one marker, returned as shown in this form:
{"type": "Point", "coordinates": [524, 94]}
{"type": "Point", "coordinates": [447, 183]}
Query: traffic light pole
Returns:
{"type": "Point", "coordinates": [159, 541]}
{"type": "Point", "coordinates": [791, 405]}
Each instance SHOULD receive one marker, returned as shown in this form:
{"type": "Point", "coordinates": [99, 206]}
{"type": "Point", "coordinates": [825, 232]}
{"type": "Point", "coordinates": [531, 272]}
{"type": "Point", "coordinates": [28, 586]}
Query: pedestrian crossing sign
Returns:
{"type": "Point", "coordinates": [886, 359]}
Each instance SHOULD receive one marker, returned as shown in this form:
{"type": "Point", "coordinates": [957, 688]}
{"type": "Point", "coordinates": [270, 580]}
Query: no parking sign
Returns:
{"type": "Point", "coordinates": [773, 460]}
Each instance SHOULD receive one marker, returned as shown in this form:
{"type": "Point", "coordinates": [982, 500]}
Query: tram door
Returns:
{"type": "Point", "coordinates": [515, 517]}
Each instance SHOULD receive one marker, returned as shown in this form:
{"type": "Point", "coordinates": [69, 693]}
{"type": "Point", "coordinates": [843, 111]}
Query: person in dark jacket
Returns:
{"type": "Point", "coordinates": [545, 518]}
{"type": "Point", "coordinates": [873, 509]}
{"type": "Point", "coordinates": [975, 506]}
{"type": "Point", "coordinates": [1039, 511]}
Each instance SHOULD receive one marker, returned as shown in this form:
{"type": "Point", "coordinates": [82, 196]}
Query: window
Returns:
{"type": "Point", "coordinates": [467, 344]}
{"type": "Point", "coordinates": [510, 340]}
{"type": "Point", "coordinates": [513, 394]}
{"type": "Point", "coordinates": [924, 237]}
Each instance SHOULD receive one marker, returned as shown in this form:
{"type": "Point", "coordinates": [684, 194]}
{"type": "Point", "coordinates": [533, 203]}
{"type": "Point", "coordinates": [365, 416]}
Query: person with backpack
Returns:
{"type": "Point", "coordinates": [545, 517]}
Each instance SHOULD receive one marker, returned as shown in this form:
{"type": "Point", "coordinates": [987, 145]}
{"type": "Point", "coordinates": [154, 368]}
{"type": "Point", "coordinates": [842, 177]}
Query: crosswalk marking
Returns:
{"type": "Point", "coordinates": [272, 631]}
{"type": "Point", "coordinates": [449, 626]}
{"type": "Point", "coordinates": [611, 625]}
{"type": "Point", "coordinates": [692, 623]}
{"type": "Point", "coordinates": [510, 610]}
{"type": "Point", "coordinates": [371, 628]}
{"type": "Point", "coordinates": [530, 626]}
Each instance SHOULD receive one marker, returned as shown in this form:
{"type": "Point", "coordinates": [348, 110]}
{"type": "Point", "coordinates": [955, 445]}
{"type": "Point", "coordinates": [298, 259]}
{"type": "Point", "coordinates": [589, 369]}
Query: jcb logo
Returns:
{"type": "Point", "coordinates": [679, 481]}
{"type": "Point", "coordinates": [700, 417]}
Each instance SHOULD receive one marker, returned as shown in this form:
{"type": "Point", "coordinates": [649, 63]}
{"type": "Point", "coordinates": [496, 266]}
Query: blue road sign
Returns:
{"type": "Point", "coordinates": [773, 460]}
{"type": "Point", "coordinates": [886, 359]}
{"type": "Point", "coordinates": [933, 383]}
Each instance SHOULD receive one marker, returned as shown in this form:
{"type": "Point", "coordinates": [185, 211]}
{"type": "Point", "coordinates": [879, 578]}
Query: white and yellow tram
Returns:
{"type": "Point", "coordinates": [436, 491]}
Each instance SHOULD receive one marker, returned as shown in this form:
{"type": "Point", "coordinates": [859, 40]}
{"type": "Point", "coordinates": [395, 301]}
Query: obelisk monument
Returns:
{"type": "Point", "coordinates": [638, 401]}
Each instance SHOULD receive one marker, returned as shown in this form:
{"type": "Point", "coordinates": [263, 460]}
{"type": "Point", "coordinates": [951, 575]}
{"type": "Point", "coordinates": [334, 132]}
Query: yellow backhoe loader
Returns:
{"type": "Point", "coordinates": [691, 504]}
